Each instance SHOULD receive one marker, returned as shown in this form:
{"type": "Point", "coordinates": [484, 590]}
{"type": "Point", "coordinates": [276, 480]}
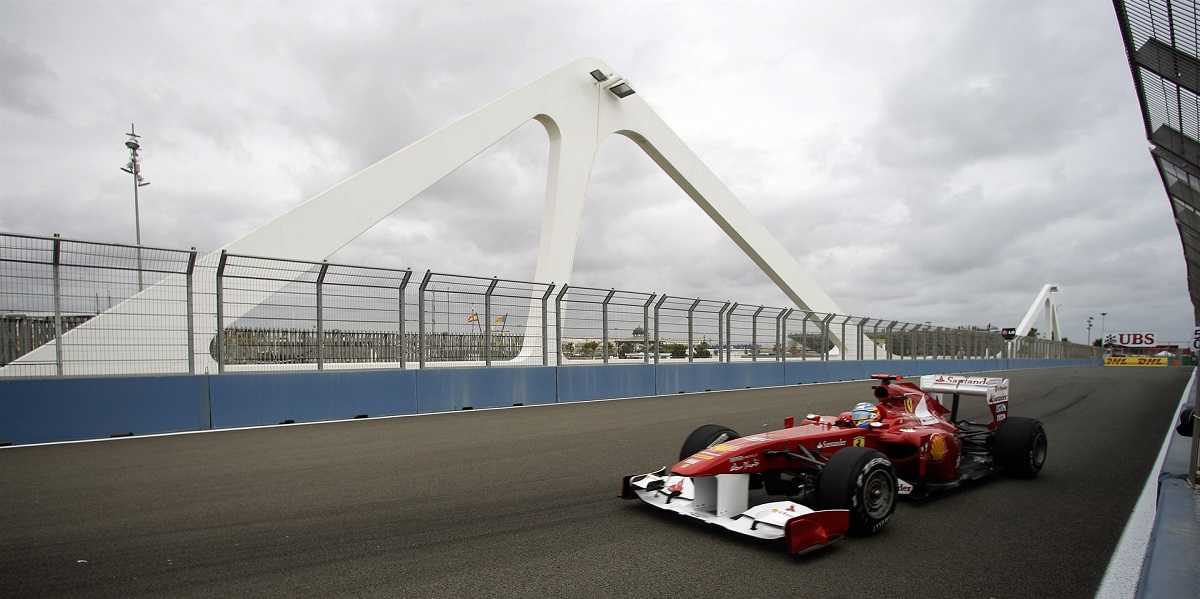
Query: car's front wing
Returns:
{"type": "Point", "coordinates": [722, 501]}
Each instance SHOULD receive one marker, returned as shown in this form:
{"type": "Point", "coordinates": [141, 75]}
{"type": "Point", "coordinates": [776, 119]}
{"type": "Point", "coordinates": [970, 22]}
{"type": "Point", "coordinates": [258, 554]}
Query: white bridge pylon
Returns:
{"type": "Point", "coordinates": [1043, 306]}
{"type": "Point", "coordinates": [578, 113]}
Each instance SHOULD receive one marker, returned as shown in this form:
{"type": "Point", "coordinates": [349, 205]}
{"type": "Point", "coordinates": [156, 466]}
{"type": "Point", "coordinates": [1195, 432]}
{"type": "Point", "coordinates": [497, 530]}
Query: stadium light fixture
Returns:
{"type": "Point", "coordinates": [621, 89]}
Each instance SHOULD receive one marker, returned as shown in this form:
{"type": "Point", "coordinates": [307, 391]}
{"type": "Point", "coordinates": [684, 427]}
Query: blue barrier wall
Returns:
{"type": "Point", "coordinates": [445, 389]}
{"type": "Point", "coordinates": [687, 378]}
{"type": "Point", "coordinates": [248, 399]}
{"type": "Point", "coordinates": [582, 383]}
{"type": "Point", "coordinates": [59, 409]}
{"type": "Point", "coordinates": [64, 409]}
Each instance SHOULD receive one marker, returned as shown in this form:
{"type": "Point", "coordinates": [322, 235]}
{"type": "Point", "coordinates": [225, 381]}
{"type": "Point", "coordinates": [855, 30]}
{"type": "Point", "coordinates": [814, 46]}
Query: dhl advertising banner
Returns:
{"type": "Point", "coordinates": [1135, 361]}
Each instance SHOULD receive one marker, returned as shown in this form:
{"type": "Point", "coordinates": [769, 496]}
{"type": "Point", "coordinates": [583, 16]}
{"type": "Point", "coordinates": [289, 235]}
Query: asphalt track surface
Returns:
{"type": "Point", "coordinates": [523, 503]}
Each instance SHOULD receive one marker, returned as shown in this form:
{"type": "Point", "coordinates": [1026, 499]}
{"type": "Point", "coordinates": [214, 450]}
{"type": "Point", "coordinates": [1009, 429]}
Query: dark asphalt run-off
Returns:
{"type": "Point", "coordinates": [523, 503]}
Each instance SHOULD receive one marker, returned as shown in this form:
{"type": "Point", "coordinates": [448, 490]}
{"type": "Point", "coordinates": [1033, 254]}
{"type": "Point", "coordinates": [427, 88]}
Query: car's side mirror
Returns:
{"type": "Point", "coordinates": [1186, 422]}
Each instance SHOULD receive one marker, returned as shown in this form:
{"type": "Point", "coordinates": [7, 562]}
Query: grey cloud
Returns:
{"type": "Point", "coordinates": [25, 77]}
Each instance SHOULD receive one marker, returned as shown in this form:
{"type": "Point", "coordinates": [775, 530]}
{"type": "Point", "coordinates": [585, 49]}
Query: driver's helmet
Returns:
{"type": "Point", "coordinates": [864, 413]}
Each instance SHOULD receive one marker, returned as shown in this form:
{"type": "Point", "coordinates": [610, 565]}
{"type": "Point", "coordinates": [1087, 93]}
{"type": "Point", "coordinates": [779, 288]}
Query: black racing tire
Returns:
{"type": "Point", "coordinates": [1019, 446]}
{"type": "Point", "coordinates": [704, 437]}
{"type": "Point", "coordinates": [863, 481]}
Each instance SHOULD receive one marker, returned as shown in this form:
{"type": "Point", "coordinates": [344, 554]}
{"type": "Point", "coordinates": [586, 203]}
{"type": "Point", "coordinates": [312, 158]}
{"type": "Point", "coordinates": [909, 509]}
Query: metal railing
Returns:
{"type": "Point", "coordinates": [70, 307]}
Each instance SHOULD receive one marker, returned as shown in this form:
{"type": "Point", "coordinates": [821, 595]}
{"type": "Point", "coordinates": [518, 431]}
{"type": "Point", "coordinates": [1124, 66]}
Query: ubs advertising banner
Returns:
{"type": "Point", "coordinates": [1137, 339]}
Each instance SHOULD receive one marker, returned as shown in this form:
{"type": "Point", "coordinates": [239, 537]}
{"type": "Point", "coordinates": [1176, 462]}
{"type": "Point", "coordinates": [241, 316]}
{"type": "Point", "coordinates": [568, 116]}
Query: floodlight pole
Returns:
{"type": "Point", "coordinates": [1103, 334]}
{"type": "Point", "coordinates": [134, 168]}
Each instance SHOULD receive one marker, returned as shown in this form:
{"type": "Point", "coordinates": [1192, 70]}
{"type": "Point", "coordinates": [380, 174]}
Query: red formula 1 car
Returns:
{"type": "Point", "coordinates": [849, 468]}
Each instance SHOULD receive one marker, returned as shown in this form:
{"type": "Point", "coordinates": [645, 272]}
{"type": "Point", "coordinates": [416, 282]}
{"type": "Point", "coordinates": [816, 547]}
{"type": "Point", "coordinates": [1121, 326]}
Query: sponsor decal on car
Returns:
{"type": "Point", "coordinates": [828, 444]}
{"type": "Point", "coordinates": [723, 447]}
{"type": "Point", "coordinates": [968, 380]}
{"type": "Point", "coordinates": [743, 465]}
{"type": "Point", "coordinates": [860, 442]}
{"type": "Point", "coordinates": [938, 447]}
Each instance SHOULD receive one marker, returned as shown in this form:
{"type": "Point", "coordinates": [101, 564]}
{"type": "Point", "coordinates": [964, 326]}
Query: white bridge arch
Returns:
{"type": "Point", "coordinates": [578, 113]}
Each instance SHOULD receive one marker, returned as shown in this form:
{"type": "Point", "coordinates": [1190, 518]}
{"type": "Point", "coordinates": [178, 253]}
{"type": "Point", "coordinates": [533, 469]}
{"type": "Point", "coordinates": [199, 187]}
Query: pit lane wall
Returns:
{"type": "Point", "coordinates": [36, 410]}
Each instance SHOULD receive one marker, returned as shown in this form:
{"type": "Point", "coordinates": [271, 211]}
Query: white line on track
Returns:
{"type": "Point", "coordinates": [545, 405]}
{"type": "Point", "coordinates": [1125, 568]}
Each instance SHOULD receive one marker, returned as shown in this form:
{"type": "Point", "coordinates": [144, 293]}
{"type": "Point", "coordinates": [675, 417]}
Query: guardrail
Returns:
{"type": "Point", "coordinates": [86, 311]}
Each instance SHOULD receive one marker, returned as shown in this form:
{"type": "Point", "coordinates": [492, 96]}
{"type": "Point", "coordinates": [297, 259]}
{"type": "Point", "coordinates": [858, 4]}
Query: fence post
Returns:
{"type": "Point", "coordinates": [320, 315]}
{"type": "Point", "coordinates": [691, 352]}
{"type": "Point", "coordinates": [754, 334]}
{"type": "Point", "coordinates": [558, 343]}
{"type": "Point", "coordinates": [403, 288]}
{"type": "Point", "coordinates": [545, 327]}
{"type": "Point", "coordinates": [845, 319]}
{"type": "Point", "coordinates": [657, 308]}
{"type": "Point", "coordinates": [191, 313]}
{"type": "Point", "coordinates": [825, 337]}
{"type": "Point", "coordinates": [604, 325]}
{"type": "Point", "coordinates": [221, 312]}
{"type": "Point", "coordinates": [890, 326]}
{"type": "Point", "coordinates": [804, 337]}
{"type": "Point", "coordinates": [721, 333]}
{"type": "Point", "coordinates": [861, 345]}
{"type": "Point", "coordinates": [421, 318]}
{"type": "Point", "coordinates": [781, 325]}
{"type": "Point", "coordinates": [487, 326]}
{"type": "Point", "coordinates": [646, 329]}
{"type": "Point", "coordinates": [729, 333]}
{"type": "Point", "coordinates": [58, 348]}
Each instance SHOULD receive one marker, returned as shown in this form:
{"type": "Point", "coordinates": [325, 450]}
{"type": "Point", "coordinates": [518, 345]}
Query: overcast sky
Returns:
{"type": "Point", "coordinates": [936, 162]}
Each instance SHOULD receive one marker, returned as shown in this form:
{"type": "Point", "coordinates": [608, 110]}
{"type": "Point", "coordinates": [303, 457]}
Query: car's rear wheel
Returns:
{"type": "Point", "coordinates": [1019, 446]}
{"type": "Point", "coordinates": [704, 437]}
{"type": "Point", "coordinates": [862, 481]}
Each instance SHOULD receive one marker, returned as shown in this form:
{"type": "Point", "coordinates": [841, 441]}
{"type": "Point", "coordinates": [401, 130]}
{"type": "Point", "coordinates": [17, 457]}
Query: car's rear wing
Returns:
{"type": "Point", "coordinates": [994, 389]}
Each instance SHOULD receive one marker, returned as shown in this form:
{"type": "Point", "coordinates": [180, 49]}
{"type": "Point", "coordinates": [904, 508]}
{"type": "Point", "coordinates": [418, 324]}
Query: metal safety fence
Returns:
{"type": "Point", "coordinates": [70, 307]}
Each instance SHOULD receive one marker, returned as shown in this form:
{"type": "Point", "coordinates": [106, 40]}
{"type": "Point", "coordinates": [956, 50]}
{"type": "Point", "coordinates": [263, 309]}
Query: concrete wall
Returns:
{"type": "Point", "coordinates": [34, 410]}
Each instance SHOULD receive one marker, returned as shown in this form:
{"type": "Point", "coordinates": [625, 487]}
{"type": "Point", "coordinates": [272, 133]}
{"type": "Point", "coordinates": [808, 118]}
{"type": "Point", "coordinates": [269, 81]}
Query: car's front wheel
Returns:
{"type": "Point", "coordinates": [863, 481]}
{"type": "Point", "coordinates": [704, 437]}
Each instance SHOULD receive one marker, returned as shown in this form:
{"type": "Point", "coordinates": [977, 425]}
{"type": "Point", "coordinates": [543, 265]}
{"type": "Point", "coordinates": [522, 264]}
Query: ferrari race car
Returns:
{"type": "Point", "coordinates": [849, 468]}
